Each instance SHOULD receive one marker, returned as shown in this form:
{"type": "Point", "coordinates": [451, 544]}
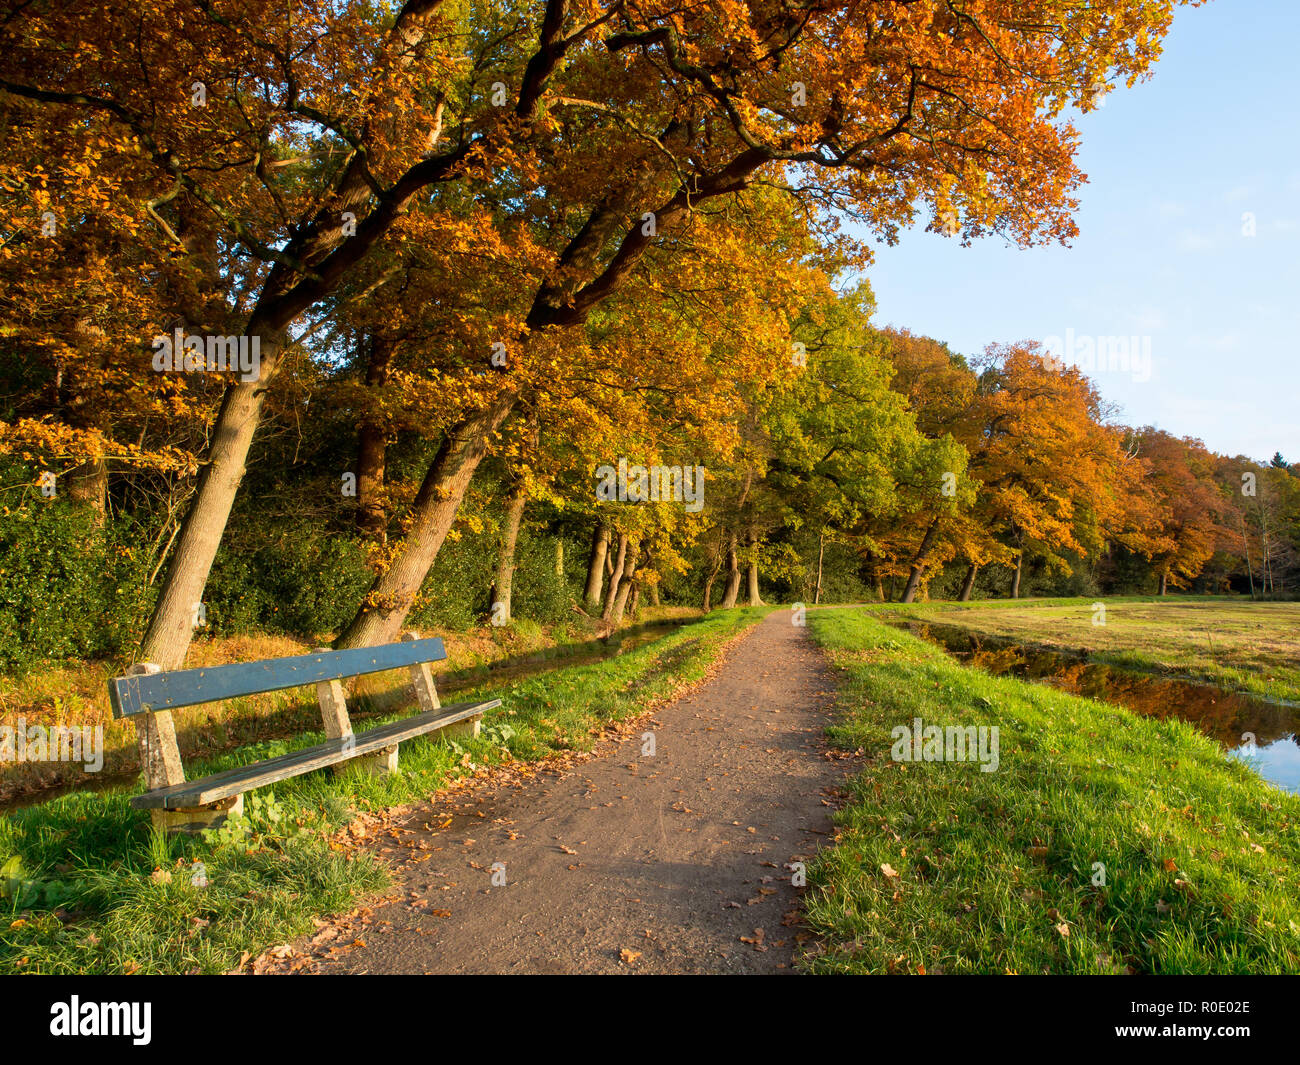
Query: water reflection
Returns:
{"type": "Point", "coordinates": [1230, 718]}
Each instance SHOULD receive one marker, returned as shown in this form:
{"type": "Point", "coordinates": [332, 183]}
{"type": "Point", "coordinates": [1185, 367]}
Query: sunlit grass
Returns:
{"type": "Point", "coordinates": [995, 871]}
{"type": "Point", "coordinates": [1248, 646]}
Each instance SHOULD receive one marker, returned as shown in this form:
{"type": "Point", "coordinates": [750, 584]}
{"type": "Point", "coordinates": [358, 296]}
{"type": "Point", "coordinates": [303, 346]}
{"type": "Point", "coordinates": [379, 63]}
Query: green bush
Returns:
{"type": "Point", "coordinates": [538, 592]}
{"type": "Point", "coordinates": [68, 588]}
{"type": "Point", "coordinates": [289, 579]}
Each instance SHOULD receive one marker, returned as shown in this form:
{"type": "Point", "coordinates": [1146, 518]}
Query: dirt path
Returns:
{"type": "Point", "coordinates": [671, 863]}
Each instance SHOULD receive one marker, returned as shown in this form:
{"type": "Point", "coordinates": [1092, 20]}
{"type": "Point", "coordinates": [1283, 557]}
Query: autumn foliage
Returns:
{"type": "Point", "coordinates": [488, 248]}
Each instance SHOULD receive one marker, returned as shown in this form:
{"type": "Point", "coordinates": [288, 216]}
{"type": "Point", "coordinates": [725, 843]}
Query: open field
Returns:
{"type": "Point", "coordinates": [87, 887]}
{"type": "Point", "coordinates": [1102, 843]}
{"type": "Point", "coordinates": [1236, 643]}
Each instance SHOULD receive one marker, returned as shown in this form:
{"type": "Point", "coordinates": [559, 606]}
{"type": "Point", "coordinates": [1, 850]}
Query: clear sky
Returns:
{"type": "Point", "coordinates": [1173, 165]}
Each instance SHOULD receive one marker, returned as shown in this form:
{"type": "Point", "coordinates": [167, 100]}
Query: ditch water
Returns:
{"type": "Point", "coordinates": [448, 684]}
{"type": "Point", "coordinates": [1227, 717]}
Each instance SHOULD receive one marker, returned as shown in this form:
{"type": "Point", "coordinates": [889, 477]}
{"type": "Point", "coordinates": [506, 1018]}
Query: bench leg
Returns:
{"type": "Point", "coordinates": [194, 819]}
{"type": "Point", "coordinates": [380, 763]}
{"type": "Point", "coordinates": [467, 729]}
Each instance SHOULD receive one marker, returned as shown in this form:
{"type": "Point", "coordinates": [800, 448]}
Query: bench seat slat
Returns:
{"type": "Point", "coordinates": [233, 782]}
{"type": "Point", "coordinates": [188, 687]}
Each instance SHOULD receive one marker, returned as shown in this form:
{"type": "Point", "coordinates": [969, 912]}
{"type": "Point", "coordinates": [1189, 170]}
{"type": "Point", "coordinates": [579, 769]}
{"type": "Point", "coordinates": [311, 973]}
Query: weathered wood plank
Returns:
{"type": "Point", "coordinates": [160, 756]}
{"type": "Point", "coordinates": [296, 763]}
{"type": "Point", "coordinates": [422, 680]}
{"type": "Point", "coordinates": [189, 687]}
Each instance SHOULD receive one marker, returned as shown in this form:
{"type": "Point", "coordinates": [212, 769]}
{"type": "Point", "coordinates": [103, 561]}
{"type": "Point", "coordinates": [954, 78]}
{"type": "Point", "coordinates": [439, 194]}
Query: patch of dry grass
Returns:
{"type": "Point", "coordinates": [1239, 644]}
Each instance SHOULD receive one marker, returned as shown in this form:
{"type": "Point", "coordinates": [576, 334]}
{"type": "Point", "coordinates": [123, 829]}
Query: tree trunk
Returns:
{"type": "Point", "coordinates": [968, 585]}
{"type": "Point", "coordinates": [1250, 570]}
{"type": "Point", "coordinates": [634, 600]}
{"type": "Point", "coordinates": [654, 594]}
{"type": "Point", "coordinates": [87, 486]}
{"type": "Point", "coordinates": [509, 537]}
{"type": "Point", "coordinates": [918, 562]}
{"type": "Point", "coordinates": [379, 618]}
{"type": "Point", "coordinates": [754, 598]}
{"type": "Point", "coordinates": [372, 449]}
{"type": "Point", "coordinates": [618, 602]}
{"type": "Point", "coordinates": [1164, 582]}
{"type": "Point", "coordinates": [172, 625]}
{"type": "Point", "coordinates": [733, 576]}
{"type": "Point", "coordinates": [714, 570]}
{"type": "Point", "coordinates": [559, 558]}
{"type": "Point", "coordinates": [1015, 581]}
{"type": "Point", "coordinates": [596, 566]}
{"type": "Point", "coordinates": [821, 554]}
{"type": "Point", "coordinates": [615, 578]}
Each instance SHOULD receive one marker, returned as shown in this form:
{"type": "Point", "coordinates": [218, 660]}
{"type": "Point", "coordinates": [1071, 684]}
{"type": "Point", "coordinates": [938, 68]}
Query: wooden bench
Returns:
{"type": "Point", "coordinates": [148, 695]}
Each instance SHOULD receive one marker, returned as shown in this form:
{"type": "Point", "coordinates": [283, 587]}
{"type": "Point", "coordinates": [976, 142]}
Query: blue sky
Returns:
{"type": "Point", "coordinates": [1173, 165]}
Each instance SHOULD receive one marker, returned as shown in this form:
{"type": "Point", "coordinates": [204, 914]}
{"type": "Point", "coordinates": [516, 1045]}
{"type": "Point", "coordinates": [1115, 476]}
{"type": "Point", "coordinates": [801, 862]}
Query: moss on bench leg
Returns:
{"type": "Point", "coordinates": [192, 820]}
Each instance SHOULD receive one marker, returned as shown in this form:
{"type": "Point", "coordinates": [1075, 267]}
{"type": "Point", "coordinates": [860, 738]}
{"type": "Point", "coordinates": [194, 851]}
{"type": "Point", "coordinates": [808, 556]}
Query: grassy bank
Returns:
{"type": "Point", "coordinates": [76, 693]}
{"type": "Point", "coordinates": [87, 887]}
{"type": "Point", "coordinates": [1235, 643]}
{"type": "Point", "coordinates": [939, 867]}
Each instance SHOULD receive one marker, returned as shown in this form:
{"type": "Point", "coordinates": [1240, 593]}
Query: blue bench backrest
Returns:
{"type": "Point", "coordinates": [147, 692]}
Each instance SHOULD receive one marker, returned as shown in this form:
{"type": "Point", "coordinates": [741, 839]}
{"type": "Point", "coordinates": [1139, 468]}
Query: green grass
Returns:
{"type": "Point", "coordinates": [86, 886]}
{"type": "Point", "coordinates": [995, 870]}
{"type": "Point", "coordinates": [1232, 642]}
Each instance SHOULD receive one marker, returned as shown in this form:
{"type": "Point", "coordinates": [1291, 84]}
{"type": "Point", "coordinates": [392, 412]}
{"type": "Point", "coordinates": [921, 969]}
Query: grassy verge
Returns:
{"type": "Point", "coordinates": [1235, 643]}
{"type": "Point", "coordinates": [939, 867]}
{"type": "Point", "coordinates": [87, 887]}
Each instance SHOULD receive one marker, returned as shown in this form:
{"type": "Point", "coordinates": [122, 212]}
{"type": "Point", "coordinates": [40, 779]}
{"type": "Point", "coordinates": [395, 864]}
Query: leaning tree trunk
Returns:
{"type": "Point", "coordinates": [509, 538]}
{"type": "Point", "coordinates": [618, 602]}
{"type": "Point", "coordinates": [596, 566]}
{"type": "Point", "coordinates": [968, 585]}
{"type": "Point", "coordinates": [615, 578]}
{"type": "Point", "coordinates": [172, 625]}
{"type": "Point", "coordinates": [733, 576]}
{"type": "Point", "coordinates": [381, 614]}
{"type": "Point", "coordinates": [754, 598]}
{"type": "Point", "coordinates": [918, 562]}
